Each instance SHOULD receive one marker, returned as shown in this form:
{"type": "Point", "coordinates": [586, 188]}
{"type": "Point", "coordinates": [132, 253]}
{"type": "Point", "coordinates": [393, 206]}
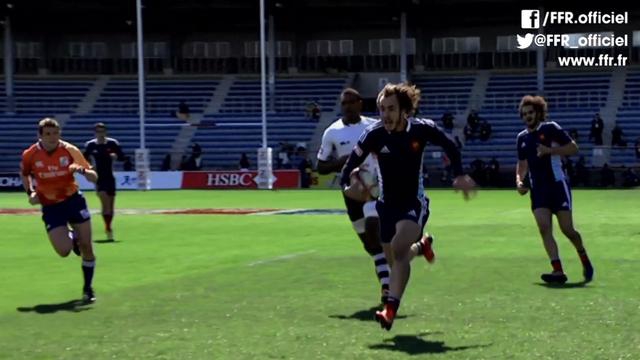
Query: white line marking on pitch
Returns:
{"type": "Point", "coordinates": [279, 258]}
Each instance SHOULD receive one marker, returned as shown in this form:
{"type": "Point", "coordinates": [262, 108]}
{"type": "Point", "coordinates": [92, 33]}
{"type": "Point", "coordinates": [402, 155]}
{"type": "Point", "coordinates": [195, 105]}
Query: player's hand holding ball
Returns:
{"type": "Point", "coordinates": [360, 186]}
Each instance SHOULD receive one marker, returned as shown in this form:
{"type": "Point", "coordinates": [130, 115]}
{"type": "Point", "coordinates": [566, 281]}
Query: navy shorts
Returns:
{"type": "Point", "coordinates": [354, 208]}
{"type": "Point", "coordinates": [106, 184]}
{"type": "Point", "coordinates": [73, 210]}
{"type": "Point", "coordinates": [555, 197]}
{"type": "Point", "coordinates": [390, 216]}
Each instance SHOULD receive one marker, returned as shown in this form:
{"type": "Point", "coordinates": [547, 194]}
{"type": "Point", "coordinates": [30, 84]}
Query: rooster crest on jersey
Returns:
{"type": "Point", "coordinates": [367, 180]}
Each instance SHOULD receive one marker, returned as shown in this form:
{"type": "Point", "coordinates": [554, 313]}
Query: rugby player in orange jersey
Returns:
{"type": "Point", "coordinates": [47, 170]}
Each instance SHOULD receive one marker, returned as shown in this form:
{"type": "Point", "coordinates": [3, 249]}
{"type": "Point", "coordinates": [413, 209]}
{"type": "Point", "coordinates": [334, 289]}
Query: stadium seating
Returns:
{"type": "Point", "coordinates": [159, 135]}
{"type": "Point", "coordinates": [238, 125]}
{"type": "Point", "coordinates": [162, 96]}
{"type": "Point", "coordinates": [292, 95]}
{"type": "Point", "coordinates": [574, 98]}
{"type": "Point", "coordinates": [47, 97]}
{"type": "Point", "coordinates": [18, 132]}
{"type": "Point", "coordinates": [442, 93]}
{"type": "Point", "coordinates": [628, 120]}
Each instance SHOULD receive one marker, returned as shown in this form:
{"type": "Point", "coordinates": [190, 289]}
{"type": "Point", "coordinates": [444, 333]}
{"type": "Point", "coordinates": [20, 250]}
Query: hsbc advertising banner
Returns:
{"type": "Point", "coordinates": [285, 179]}
{"type": "Point", "coordinates": [128, 180]}
{"type": "Point", "coordinates": [10, 182]}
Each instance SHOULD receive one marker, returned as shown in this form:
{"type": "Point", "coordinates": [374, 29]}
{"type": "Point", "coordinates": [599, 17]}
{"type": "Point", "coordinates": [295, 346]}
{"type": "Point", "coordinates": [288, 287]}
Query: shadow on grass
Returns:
{"type": "Point", "coordinates": [416, 345]}
{"type": "Point", "coordinates": [363, 315]}
{"type": "Point", "coordinates": [569, 285]}
{"type": "Point", "coordinates": [70, 306]}
{"type": "Point", "coordinates": [106, 241]}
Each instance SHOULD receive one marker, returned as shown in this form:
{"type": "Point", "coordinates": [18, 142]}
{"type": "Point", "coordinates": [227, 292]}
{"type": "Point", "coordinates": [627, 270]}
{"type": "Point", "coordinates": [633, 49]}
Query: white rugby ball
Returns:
{"type": "Point", "coordinates": [368, 180]}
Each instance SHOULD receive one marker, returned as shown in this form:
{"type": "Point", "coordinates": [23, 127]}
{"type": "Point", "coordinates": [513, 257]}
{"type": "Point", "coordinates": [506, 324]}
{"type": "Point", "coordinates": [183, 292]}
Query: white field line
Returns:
{"type": "Point", "coordinates": [280, 258]}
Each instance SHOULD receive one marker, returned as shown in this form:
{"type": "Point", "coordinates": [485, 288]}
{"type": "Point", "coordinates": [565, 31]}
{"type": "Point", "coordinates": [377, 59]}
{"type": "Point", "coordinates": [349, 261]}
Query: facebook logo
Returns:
{"type": "Point", "coordinates": [530, 19]}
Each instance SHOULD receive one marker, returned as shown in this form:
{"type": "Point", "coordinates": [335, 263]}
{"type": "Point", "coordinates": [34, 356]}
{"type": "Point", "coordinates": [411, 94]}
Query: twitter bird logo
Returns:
{"type": "Point", "coordinates": [524, 41]}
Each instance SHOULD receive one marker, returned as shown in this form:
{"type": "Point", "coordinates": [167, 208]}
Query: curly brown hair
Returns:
{"type": "Point", "coordinates": [408, 96]}
{"type": "Point", "coordinates": [539, 105]}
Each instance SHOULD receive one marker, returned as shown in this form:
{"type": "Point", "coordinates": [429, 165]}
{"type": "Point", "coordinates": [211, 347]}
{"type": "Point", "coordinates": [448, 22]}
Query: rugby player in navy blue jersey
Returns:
{"type": "Point", "coordinates": [541, 147]}
{"type": "Point", "coordinates": [398, 141]}
{"type": "Point", "coordinates": [105, 151]}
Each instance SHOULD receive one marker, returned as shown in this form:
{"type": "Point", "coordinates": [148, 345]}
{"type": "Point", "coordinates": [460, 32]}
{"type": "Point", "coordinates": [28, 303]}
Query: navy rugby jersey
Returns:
{"type": "Point", "coordinates": [399, 157]}
{"type": "Point", "coordinates": [101, 154]}
{"type": "Point", "coordinates": [546, 169]}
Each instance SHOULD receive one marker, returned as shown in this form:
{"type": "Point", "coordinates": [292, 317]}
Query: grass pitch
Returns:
{"type": "Point", "coordinates": [301, 287]}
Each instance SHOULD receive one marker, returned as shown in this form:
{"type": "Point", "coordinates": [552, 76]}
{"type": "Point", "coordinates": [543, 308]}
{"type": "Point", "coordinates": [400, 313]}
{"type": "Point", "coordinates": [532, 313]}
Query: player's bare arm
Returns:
{"type": "Point", "coordinates": [522, 167]}
{"type": "Point", "coordinates": [89, 174]}
{"type": "Point", "coordinates": [565, 150]}
{"type": "Point", "coordinates": [330, 166]}
{"type": "Point", "coordinates": [28, 188]}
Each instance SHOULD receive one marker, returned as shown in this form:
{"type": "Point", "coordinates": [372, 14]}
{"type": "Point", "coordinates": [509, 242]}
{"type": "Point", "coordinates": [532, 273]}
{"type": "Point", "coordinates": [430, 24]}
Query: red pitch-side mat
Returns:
{"type": "Point", "coordinates": [19, 211]}
{"type": "Point", "coordinates": [210, 211]}
{"type": "Point", "coordinates": [155, 211]}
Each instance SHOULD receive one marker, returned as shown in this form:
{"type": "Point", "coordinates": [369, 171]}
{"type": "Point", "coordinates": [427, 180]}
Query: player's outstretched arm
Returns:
{"type": "Point", "coordinates": [461, 182]}
{"type": "Point", "coordinates": [465, 184]}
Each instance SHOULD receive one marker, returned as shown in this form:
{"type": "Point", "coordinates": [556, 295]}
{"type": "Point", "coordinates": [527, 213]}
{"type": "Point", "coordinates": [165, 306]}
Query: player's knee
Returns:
{"type": "Point", "coordinates": [371, 223]}
{"type": "Point", "coordinates": [370, 243]}
{"type": "Point", "coordinates": [570, 232]}
{"type": "Point", "coordinates": [86, 248]}
{"type": "Point", "coordinates": [63, 252]}
{"type": "Point", "coordinates": [372, 248]}
{"type": "Point", "coordinates": [400, 252]}
{"type": "Point", "coordinates": [544, 228]}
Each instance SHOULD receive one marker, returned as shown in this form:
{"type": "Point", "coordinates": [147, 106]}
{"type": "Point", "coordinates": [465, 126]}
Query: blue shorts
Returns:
{"type": "Point", "coordinates": [390, 216]}
{"type": "Point", "coordinates": [555, 197]}
{"type": "Point", "coordinates": [73, 210]}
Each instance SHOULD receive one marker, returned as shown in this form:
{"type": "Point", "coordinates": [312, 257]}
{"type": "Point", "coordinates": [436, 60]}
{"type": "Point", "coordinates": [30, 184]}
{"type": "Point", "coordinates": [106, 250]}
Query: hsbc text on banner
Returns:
{"type": "Point", "coordinates": [284, 179]}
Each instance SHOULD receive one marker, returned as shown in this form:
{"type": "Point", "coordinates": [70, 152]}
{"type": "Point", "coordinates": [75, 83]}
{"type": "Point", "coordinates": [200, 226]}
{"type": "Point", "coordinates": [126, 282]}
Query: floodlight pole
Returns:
{"type": "Point", "coordinates": [271, 52]}
{"type": "Point", "coordinates": [142, 154]}
{"type": "Point", "coordinates": [8, 66]}
{"type": "Point", "coordinates": [141, 95]}
{"type": "Point", "coordinates": [403, 47]}
{"type": "Point", "coordinates": [265, 178]}
{"type": "Point", "coordinates": [263, 76]}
